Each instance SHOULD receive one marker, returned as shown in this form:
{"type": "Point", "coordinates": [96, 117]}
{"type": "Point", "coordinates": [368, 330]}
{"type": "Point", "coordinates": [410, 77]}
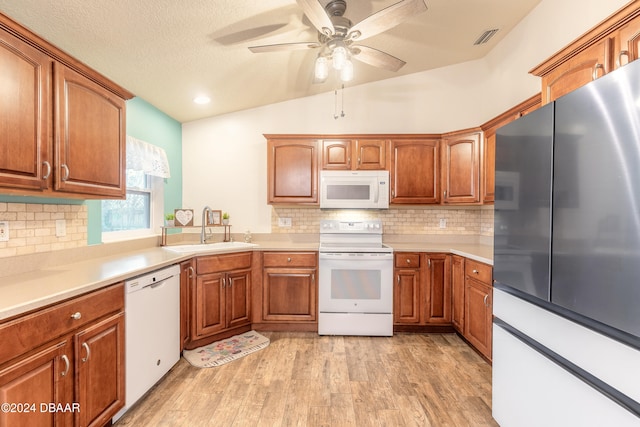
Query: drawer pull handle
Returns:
{"type": "Point", "coordinates": [67, 365]}
{"type": "Point", "coordinates": [65, 175]}
{"type": "Point", "coordinates": [48, 173]}
{"type": "Point", "coordinates": [595, 71]}
{"type": "Point", "coordinates": [86, 348]}
{"type": "Point", "coordinates": [476, 272]}
{"type": "Point", "coordinates": [76, 316]}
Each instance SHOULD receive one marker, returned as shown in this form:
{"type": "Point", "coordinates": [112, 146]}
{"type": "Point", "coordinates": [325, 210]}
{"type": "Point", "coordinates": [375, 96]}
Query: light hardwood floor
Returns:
{"type": "Point", "coordinates": [302, 379]}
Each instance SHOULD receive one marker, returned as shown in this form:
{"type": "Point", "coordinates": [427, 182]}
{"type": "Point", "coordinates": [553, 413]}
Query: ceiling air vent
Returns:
{"type": "Point", "coordinates": [486, 36]}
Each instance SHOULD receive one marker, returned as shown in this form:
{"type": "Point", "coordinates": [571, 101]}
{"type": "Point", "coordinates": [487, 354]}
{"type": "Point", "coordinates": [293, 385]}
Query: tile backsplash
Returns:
{"type": "Point", "coordinates": [32, 227]}
{"type": "Point", "coordinates": [475, 220]}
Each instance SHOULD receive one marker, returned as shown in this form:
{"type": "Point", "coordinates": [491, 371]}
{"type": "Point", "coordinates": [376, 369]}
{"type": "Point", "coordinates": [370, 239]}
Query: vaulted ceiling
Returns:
{"type": "Point", "coordinates": [168, 52]}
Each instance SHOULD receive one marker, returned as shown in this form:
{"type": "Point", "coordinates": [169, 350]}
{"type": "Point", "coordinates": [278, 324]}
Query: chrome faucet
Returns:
{"type": "Point", "coordinates": [203, 232]}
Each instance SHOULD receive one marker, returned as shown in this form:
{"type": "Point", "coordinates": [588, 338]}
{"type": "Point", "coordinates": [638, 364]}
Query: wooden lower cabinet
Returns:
{"type": "Point", "coordinates": [457, 292]}
{"type": "Point", "coordinates": [422, 289]}
{"type": "Point", "coordinates": [478, 306]}
{"type": "Point", "coordinates": [288, 292]}
{"type": "Point", "coordinates": [74, 379]}
{"type": "Point", "coordinates": [221, 301]}
{"type": "Point", "coordinates": [187, 289]}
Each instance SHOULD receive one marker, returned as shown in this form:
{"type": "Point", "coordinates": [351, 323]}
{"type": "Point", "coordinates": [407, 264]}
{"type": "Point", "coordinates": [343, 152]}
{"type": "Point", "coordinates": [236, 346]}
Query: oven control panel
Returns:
{"type": "Point", "coordinates": [370, 226]}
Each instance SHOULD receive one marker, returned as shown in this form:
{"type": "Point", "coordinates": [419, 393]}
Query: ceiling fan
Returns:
{"type": "Point", "coordinates": [338, 37]}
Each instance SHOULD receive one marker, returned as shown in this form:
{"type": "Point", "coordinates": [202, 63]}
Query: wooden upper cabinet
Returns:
{"type": "Point", "coordinates": [461, 167]}
{"type": "Point", "coordinates": [292, 168]}
{"type": "Point", "coordinates": [24, 115]}
{"type": "Point", "coordinates": [587, 66]}
{"type": "Point", "coordinates": [627, 43]}
{"type": "Point", "coordinates": [359, 154]}
{"type": "Point", "coordinates": [90, 136]}
{"type": "Point", "coordinates": [415, 171]}
{"type": "Point", "coordinates": [488, 149]}
{"type": "Point", "coordinates": [62, 125]}
{"type": "Point", "coordinates": [610, 44]}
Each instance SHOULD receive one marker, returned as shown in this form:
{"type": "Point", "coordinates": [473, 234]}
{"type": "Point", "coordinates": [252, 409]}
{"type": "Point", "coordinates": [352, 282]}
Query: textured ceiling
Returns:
{"type": "Point", "coordinates": [168, 51]}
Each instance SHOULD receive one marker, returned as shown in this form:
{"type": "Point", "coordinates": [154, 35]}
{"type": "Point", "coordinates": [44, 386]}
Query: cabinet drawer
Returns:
{"type": "Point", "coordinates": [479, 271]}
{"type": "Point", "coordinates": [27, 332]}
{"type": "Point", "coordinates": [228, 262]}
{"type": "Point", "coordinates": [407, 260]}
{"type": "Point", "coordinates": [289, 259]}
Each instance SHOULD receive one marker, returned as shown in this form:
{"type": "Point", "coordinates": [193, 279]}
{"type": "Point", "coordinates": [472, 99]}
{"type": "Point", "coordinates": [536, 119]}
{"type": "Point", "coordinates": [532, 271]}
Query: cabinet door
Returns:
{"type": "Point", "coordinates": [489, 168]}
{"type": "Point", "coordinates": [90, 137]}
{"type": "Point", "coordinates": [406, 297]}
{"type": "Point", "coordinates": [44, 377]}
{"type": "Point", "coordinates": [292, 167]}
{"type": "Point", "coordinates": [25, 109]}
{"type": "Point", "coordinates": [577, 71]}
{"type": "Point", "coordinates": [627, 42]}
{"type": "Point", "coordinates": [439, 288]}
{"type": "Point", "coordinates": [99, 354]}
{"type": "Point", "coordinates": [336, 154]}
{"type": "Point", "coordinates": [478, 316]}
{"type": "Point", "coordinates": [238, 298]}
{"type": "Point", "coordinates": [208, 305]}
{"type": "Point", "coordinates": [415, 171]}
{"type": "Point", "coordinates": [187, 281]}
{"type": "Point", "coordinates": [461, 169]}
{"type": "Point", "coordinates": [457, 290]}
{"type": "Point", "coordinates": [370, 154]}
{"type": "Point", "coordinates": [289, 294]}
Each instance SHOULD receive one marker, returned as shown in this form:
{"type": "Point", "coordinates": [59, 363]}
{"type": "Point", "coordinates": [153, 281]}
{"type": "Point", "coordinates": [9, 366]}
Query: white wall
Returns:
{"type": "Point", "coordinates": [224, 157]}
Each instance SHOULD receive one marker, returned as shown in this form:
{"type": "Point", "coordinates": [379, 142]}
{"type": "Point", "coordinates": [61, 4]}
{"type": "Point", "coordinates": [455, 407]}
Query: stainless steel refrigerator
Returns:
{"type": "Point", "coordinates": [567, 259]}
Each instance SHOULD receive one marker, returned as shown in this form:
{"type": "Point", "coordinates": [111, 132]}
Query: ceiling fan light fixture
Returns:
{"type": "Point", "coordinates": [322, 68]}
{"type": "Point", "coordinates": [339, 55]}
{"type": "Point", "coordinates": [346, 74]}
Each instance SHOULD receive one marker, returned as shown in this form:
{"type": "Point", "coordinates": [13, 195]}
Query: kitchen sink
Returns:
{"type": "Point", "coordinates": [210, 247]}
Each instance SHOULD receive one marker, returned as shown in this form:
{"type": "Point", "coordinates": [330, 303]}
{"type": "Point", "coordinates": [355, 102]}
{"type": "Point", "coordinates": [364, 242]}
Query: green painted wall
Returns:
{"type": "Point", "coordinates": [146, 122]}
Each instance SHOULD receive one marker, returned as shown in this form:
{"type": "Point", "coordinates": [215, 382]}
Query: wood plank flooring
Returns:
{"type": "Point", "coordinates": [302, 379]}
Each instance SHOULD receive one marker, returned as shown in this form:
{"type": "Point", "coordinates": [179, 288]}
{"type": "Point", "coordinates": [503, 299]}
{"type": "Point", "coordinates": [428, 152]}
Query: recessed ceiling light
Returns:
{"type": "Point", "coordinates": [202, 99]}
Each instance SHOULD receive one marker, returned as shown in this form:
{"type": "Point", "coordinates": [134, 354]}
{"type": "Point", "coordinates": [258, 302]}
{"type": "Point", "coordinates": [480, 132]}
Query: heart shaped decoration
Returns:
{"type": "Point", "coordinates": [184, 217]}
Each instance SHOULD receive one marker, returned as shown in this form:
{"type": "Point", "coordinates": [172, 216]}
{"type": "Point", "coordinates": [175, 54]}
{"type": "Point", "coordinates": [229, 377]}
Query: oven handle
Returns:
{"type": "Point", "coordinates": [355, 256]}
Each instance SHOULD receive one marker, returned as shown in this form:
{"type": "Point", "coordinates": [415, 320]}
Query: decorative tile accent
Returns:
{"type": "Point", "coordinates": [32, 227]}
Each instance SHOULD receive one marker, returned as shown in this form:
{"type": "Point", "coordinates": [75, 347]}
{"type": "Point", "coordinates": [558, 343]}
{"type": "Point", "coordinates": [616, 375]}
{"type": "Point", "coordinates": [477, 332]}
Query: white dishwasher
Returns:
{"type": "Point", "coordinates": [152, 330]}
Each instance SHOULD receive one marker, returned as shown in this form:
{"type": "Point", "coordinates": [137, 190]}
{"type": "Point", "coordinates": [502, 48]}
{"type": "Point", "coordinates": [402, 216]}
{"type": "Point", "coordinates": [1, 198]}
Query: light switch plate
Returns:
{"type": "Point", "coordinates": [4, 231]}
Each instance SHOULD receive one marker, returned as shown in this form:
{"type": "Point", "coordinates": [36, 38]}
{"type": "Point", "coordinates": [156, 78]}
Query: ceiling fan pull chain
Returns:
{"type": "Point", "coordinates": [335, 104]}
{"type": "Point", "coordinates": [342, 113]}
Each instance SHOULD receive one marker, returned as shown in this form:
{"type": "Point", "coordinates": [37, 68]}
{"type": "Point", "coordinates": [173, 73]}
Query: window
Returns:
{"type": "Point", "coordinates": [141, 213]}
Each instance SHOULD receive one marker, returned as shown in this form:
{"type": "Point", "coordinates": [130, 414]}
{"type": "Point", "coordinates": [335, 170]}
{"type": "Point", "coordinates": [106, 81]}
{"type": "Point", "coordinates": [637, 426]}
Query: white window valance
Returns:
{"type": "Point", "coordinates": [148, 158]}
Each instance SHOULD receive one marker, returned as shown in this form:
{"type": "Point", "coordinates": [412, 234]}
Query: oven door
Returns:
{"type": "Point", "coordinates": [355, 282]}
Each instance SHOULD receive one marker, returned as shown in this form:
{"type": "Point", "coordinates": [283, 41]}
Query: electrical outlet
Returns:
{"type": "Point", "coordinates": [443, 223]}
{"type": "Point", "coordinates": [284, 222]}
{"type": "Point", "coordinates": [61, 228]}
{"type": "Point", "coordinates": [4, 231]}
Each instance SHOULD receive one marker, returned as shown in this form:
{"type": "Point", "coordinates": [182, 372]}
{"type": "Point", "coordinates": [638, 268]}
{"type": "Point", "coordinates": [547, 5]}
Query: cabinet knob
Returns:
{"type": "Point", "coordinates": [76, 316]}
{"type": "Point", "coordinates": [408, 261]}
{"type": "Point", "coordinates": [475, 272]}
{"type": "Point", "coordinates": [289, 259]}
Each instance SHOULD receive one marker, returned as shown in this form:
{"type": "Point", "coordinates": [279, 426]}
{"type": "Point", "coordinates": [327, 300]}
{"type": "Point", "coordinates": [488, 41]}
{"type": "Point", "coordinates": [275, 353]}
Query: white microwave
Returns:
{"type": "Point", "coordinates": [354, 189]}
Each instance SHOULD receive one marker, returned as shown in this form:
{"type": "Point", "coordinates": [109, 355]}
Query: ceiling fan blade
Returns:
{"type": "Point", "coordinates": [386, 19]}
{"type": "Point", "coordinates": [283, 47]}
{"type": "Point", "coordinates": [377, 58]}
{"type": "Point", "coordinates": [317, 15]}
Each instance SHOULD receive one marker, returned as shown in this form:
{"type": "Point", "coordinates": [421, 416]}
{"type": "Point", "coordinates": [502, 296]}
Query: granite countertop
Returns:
{"type": "Point", "coordinates": [26, 291]}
